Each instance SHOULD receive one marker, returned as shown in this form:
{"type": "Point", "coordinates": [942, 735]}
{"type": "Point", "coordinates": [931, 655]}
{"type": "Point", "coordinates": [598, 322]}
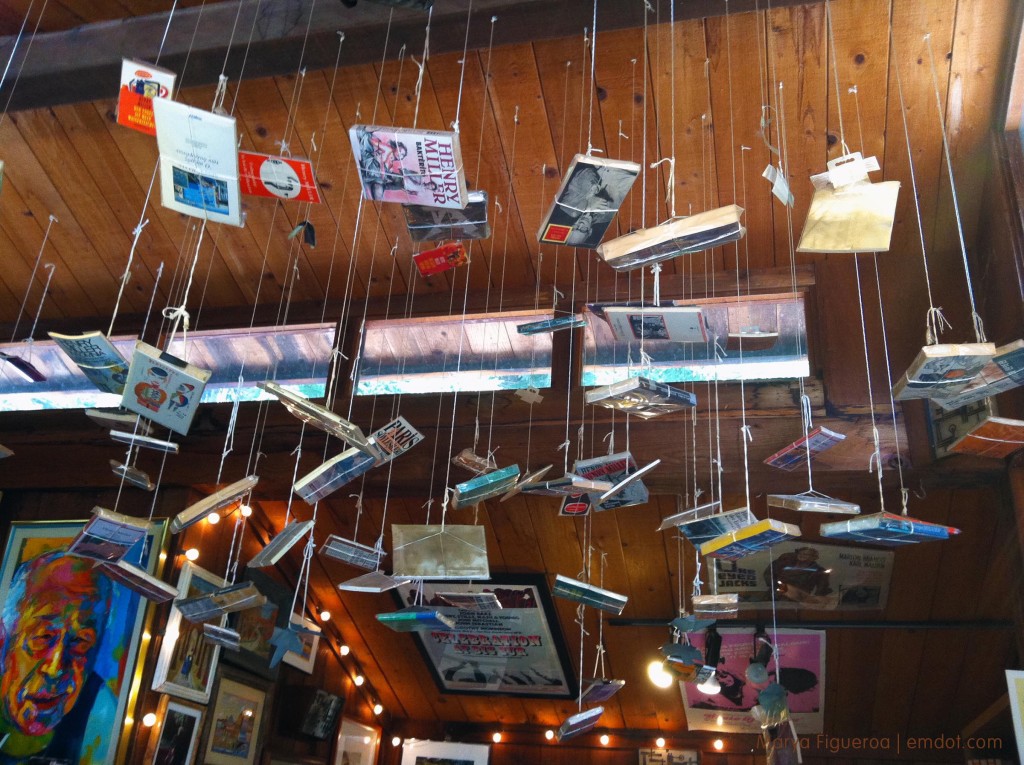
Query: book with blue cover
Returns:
{"type": "Point", "coordinates": [579, 723]}
{"type": "Point", "coordinates": [588, 595]}
{"type": "Point", "coordinates": [333, 474]}
{"type": "Point", "coordinates": [416, 618]}
{"type": "Point", "coordinates": [887, 529]}
{"type": "Point", "coordinates": [748, 540]}
{"type": "Point", "coordinates": [485, 486]}
{"type": "Point", "coordinates": [703, 527]}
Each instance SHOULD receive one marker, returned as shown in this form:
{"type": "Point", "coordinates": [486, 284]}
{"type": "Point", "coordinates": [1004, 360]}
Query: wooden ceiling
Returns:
{"type": "Point", "coordinates": [526, 109]}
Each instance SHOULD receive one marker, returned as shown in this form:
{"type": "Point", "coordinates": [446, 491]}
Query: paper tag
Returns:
{"type": "Point", "coordinates": [780, 186]}
{"type": "Point", "coordinates": [850, 168]}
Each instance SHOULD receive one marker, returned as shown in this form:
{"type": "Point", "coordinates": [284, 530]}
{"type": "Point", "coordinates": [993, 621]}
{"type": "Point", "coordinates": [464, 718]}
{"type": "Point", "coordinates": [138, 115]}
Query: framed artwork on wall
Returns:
{"type": "Point", "coordinates": [235, 723]}
{"type": "Point", "coordinates": [356, 745]}
{"type": "Point", "coordinates": [1015, 686]}
{"type": "Point", "coordinates": [176, 736]}
{"type": "Point", "coordinates": [517, 650]}
{"type": "Point", "coordinates": [310, 643]}
{"type": "Point", "coordinates": [256, 626]}
{"type": "Point", "coordinates": [41, 586]}
{"type": "Point", "coordinates": [444, 753]}
{"type": "Point", "coordinates": [187, 664]}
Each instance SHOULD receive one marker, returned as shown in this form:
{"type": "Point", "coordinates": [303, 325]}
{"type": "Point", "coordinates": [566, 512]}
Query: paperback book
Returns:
{"type": "Point", "coordinates": [432, 224]}
{"type": "Point", "coordinates": [750, 539]}
{"type": "Point", "coordinates": [96, 356]}
{"type": "Point", "coordinates": [794, 456]}
{"type": "Point", "coordinates": [222, 636]}
{"type": "Point", "coordinates": [996, 437]}
{"type": "Point", "coordinates": [319, 417]}
{"type": "Point", "coordinates": [451, 551]}
{"type": "Point", "coordinates": [724, 606]}
{"type": "Point", "coordinates": [681, 236]}
{"type": "Point", "coordinates": [213, 503]}
{"type": "Point", "coordinates": [282, 542]}
{"type": "Point", "coordinates": [569, 485]}
{"type": "Point", "coordinates": [22, 367]}
{"type": "Point", "coordinates": [813, 503]}
{"type": "Point", "coordinates": [596, 689]}
{"type": "Point", "coordinates": [471, 601]}
{"type": "Point", "coordinates": [1005, 372]}
{"type": "Point", "coordinates": [265, 175]}
{"type": "Point", "coordinates": [352, 552]}
{"type": "Point", "coordinates": [163, 388]}
{"type": "Point", "coordinates": [441, 259]}
{"type": "Point", "coordinates": [132, 476]}
{"type": "Point", "coordinates": [138, 580]}
{"type": "Point", "coordinates": [140, 84]}
{"type": "Point", "coordinates": [485, 486]}
{"type": "Point", "coordinates": [615, 469]}
{"type": "Point", "coordinates": [588, 595]}
{"type": "Point", "coordinates": [943, 371]}
{"type": "Point", "coordinates": [855, 218]}
{"type": "Point", "coordinates": [224, 600]}
{"type": "Point", "coordinates": [579, 723]}
{"type": "Point", "coordinates": [551, 325]}
{"type": "Point", "coordinates": [198, 162]}
{"type": "Point", "coordinates": [642, 397]}
{"type": "Point", "coordinates": [333, 474]}
{"type": "Point", "coordinates": [887, 529]}
{"type": "Point", "coordinates": [946, 428]}
{"type": "Point", "coordinates": [1010, 358]}
{"type": "Point", "coordinates": [473, 462]}
{"type": "Point", "coordinates": [531, 477]}
{"type": "Point", "coordinates": [702, 528]}
{"type": "Point", "coordinates": [588, 199]}
{"type": "Point", "coordinates": [689, 515]}
{"type": "Point", "coordinates": [416, 619]}
{"type": "Point", "coordinates": [394, 440]}
{"type": "Point", "coordinates": [119, 419]}
{"type": "Point", "coordinates": [676, 324]}
{"type": "Point", "coordinates": [410, 166]}
{"type": "Point", "coordinates": [610, 497]}
{"type": "Point", "coordinates": [375, 581]}
{"type": "Point", "coordinates": [108, 536]}
{"type": "Point", "coordinates": [144, 442]}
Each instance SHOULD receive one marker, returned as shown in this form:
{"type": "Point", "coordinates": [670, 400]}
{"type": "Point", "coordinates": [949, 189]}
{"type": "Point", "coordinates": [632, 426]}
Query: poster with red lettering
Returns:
{"type": "Point", "coordinates": [264, 175]}
{"type": "Point", "coordinates": [514, 650]}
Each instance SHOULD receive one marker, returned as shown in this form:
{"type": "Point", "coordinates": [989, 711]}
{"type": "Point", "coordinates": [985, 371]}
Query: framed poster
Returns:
{"type": "Point", "coordinates": [175, 738]}
{"type": "Point", "coordinates": [235, 724]}
{"type": "Point", "coordinates": [356, 745]}
{"type": "Point", "coordinates": [256, 626]}
{"type": "Point", "coordinates": [54, 606]}
{"type": "Point", "coordinates": [803, 676]}
{"type": "Point", "coordinates": [516, 650]}
{"type": "Point", "coordinates": [306, 659]}
{"type": "Point", "coordinates": [187, 664]}
{"type": "Point", "coordinates": [669, 757]}
{"type": "Point", "coordinates": [810, 576]}
{"type": "Point", "coordinates": [1015, 684]}
{"type": "Point", "coordinates": [444, 753]}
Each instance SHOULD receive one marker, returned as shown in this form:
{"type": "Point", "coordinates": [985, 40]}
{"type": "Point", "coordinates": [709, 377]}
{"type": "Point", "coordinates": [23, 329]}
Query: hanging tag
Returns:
{"type": "Point", "coordinates": [780, 186]}
{"type": "Point", "coordinates": [850, 168]}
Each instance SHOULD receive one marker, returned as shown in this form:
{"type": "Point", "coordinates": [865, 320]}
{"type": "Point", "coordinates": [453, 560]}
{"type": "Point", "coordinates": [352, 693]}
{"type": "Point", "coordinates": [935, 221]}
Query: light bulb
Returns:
{"type": "Point", "coordinates": [396, 741]}
{"type": "Point", "coordinates": [367, 739]}
{"type": "Point", "coordinates": [149, 720]}
{"type": "Point", "coordinates": [719, 744]}
{"type": "Point", "coordinates": [720, 720]}
{"type": "Point", "coordinates": [358, 680]}
{"type": "Point", "coordinates": [325, 615]}
{"type": "Point", "coordinates": [378, 708]}
{"type": "Point", "coordinates": [213, 519]}
{"type": "Point", "coordinates": [605, 739]}
{"type": "Point", "coordinates": [344, 650]}
{"type": "Point", "coordinates": [496, 738]}
{"type": "Point", "coordinates": [245, 511]}
{"type": "Point", "coordinates": [549, 734]}
{"type": "Point", "coordinates": [660, 743]}
{"type": "Point", "coordinates": [192, 553]}
{"type": "Point", "coordinates": [711, 686]}
{"type": "Point", "coordinates": [658, 675]}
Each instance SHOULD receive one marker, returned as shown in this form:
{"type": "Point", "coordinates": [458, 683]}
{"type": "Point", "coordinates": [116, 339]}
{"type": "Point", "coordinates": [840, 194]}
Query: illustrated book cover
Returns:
{"type": "Point", "coordinates": [333, 474]}
{"type": "Point", "coordinates": [996, 437]}
{"type": "Point", "coordinates": [614, 469]}
{"type": "Point", "coordinates": [441, 259]}
{"type": "Point", "coordinates": [433, 224]}
{"type": "Point", "coordinates": [140, 84]}
{"type": "Point", "coordinates": [677, 324]}
{"type": "Point", "coordinates": [163, 388]}
{"type": "Point", "coordinates": [748, 540]}
{"type": "Point", "coordinates": [887, 529]}
{"type": "Point", "coordinates": [266, 175]}
{"type": "Point", "coordinates": [700, 526]}
{"type": "Point", "coordinates": [213, 503]}
{"type": "Point", "coordinates": [794, 456]}
{"type": "Point", "coordinates": [108, 536]}
{"type": "Point", "coordinates": [944, 370]}
{"type": "Point", "coordinates": [98, 359]}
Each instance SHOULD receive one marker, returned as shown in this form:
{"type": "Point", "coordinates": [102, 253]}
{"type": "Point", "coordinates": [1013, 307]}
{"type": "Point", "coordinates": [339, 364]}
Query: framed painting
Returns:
{"type": "Point", "coordinates": [235, 723]}
{"type": "Point", "coordinates": [356, 745]}
{"type": "Point", "coordinates": [444, 753]}
{"type": "Point", "coordinates": [60, 608]}
{"type": "Point", "coordinates": [175, 738]}
{"type": "Point", "coordinates": [187, 664]}
{"type": "Point", "coordinates": [256, 626]}
{"type": "Point", "coordinates": [517, 650]}
{"type": "Point", "coordinates": [305, 659]}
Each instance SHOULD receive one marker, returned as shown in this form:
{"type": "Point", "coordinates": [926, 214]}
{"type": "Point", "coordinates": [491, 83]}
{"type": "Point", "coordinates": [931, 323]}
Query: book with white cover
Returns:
{"type": "Point", "coordinates": [132, 476]}
{"type": "Point", "coordinates": [164, 388]}
{"type": "Point", "coordinates": [144, 442]}
{"type": "Point", "coordinates": [108, 536]}
{"type": "Point", "coordinates": [375, 581]}
{"type": "Point", "coordinates": [676, 324]}
{"type": "Point", "coordinates": [333, 474]}
{"type": "Point", "coordinates": [211, 504]}
{"type": "Point", "coordinates": [352, 552]}
{"type": "Point", "coordinates": [225, 600]}
{"type": "Point", "coordinates": [198, 162]}
{"type": "Point", "coordinates": [318, 416]}
{"type": "Point", "coordinates": [98, 359]}
{"type": "Point", "coordinates": [944, 370]}
{"type": "Point", "coordinates": [642, 397]}
{"type": "Point", "coordinates": [282, 542]}
{"type": "Point", "coordinates": [394, 439]}
{"type": "Point", "coordinates": [140, 581]}
{"type": "Point", "coordinates": [618, 470]}
{"type": "Point", "coordinates": [119, 419]}
{"type": "Point", "coordinates": [673, 238]}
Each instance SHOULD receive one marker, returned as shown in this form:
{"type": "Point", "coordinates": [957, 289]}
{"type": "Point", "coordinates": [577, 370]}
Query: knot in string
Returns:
{"type": "Point", "coordinates": [935, 323]}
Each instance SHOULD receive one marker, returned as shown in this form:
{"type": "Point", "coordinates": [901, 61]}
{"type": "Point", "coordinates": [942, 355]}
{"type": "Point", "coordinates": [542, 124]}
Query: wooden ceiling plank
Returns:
{"type": "Point", "coordinates": [15, 282]}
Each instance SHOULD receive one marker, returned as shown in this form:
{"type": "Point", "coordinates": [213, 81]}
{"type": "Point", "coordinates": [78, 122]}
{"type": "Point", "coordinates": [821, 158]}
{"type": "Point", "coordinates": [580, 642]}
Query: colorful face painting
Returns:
{"type": "Point", "coordinates": [70, 639]}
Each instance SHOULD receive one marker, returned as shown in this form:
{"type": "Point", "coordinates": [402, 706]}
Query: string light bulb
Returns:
{"type": "Point", "coordinates": [149, 720]}
{"type": "Point", "coordinates": [378, 708]}
{"type": "Point", "coordinates": [192, 554]}
{"type": "Point", "coordinates": [213, 519]}
{"type": "Point", "coordinates": [396, 741]}
{"type": "Point", "coordinates": [659, 742]}
{"type": "Point", "coordinates": [358, 680]}
{"type": "Point", "coordinates": [325, 615]}
{"type": "Point", "coordinates": [496, 738]}
{"type": "Point", "coordinates": [549, 734]}
{"type": "Point", "coordinates": [718, 744]}
{"type": "Point", "coordinates": [605, 739]}
{"type": "Point", "coordinates": [245, 511]}
{"type": "Point", "coordinates": [344, 650]}
{"type": "Point", "coordinates": [658, 674]}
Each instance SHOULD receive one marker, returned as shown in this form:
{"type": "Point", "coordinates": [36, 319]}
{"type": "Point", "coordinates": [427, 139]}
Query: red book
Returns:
{"type": "Point", "coordinates": [444, 258]}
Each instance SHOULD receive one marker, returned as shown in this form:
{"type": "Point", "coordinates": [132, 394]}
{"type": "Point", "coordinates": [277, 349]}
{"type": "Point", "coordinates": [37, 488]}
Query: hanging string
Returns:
{"type": "Point", "coordinates": [136, 233]}
{"type": "Point", "coordinates": [835, 74]}
{"type": "Point", "coordinates": [599, 666]}
{"type": "Point", "coordinates": [179, 315]}
{"type": "Point", "coordinates": [422, 66]}
{"type": "Point", "coordinates": [49, 268]}
{"type": "Point", "coordinates": [21, 66]}
{"type": "Point", "coordinates": [593, 84]}
{"type": "Point", "coordinates": [465, 53]}
{"type": "Point", "coordinates": [32, 277]}
{"type": "Point", "coordinates": [875, 462]}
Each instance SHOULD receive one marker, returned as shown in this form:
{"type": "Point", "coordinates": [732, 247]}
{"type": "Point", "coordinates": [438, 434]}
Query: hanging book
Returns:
{"type": "Point", "coordinates": [350, 551]}
{"type": "Point", "coordinates": [441, 259]}
{"type": "Point", "coordinates": [485, 486]}
{"type": "Point", "coordinates": [579, 723]}
{"type": "Point", "coordinates": [282, 542]}
{"type": "Point", "coordinates": [617, 469]}
{"type": "Point", "coordinates": [596, 689]}
{"type": "Point", "coordinates": [780, 186]}
{"type": "Point", "coordinates": [213, 503]}
{"type": "Point", "coordinates": [587, 201]}
{"type": "Point", "coordinates": [432, 224]}
{"type": "Point", "coordinates": [572, 321]}
{"type": "Point", "coordinates": [416, 619]}
{"type": "Point", "coordinates": [531, 477]}
{"type": "Point", "coordinates": [795, 455]}
{"type": "Point", "coordinates": [996, 437]}
{"type": "Point", "coordinates": [333, 474]}
{"type": "Point", "coordinates": [375, 581]}
{"type": "Point", "coordinates": [887, 529]}
{"type": "Point", "coordinates": [140, 84]}
{"type": "Point", "coordinates": [691, 515]}
{"type": "Point", "coordinates": [725, 606]}
{"type": "Point", "coordinates": [394, 440]}
{"type": "Point", "coordinates": [108, 536]}
{"type": "Point", "coordinates": [410, 166]}
{"type": "Point", "coordinates": [471, 601]}
{"type": "Point", "coordinates": [440, 551]}
{"type": "Point", "coordinates": [222, 636]}
{"type": "Point", "coordinates": [676, 324]}
{"type": "Point", "coordinates": [198, 162]}
{"type": "Point", "coordinates": [224, 600]}
{"type": "Point", "coordinates": [681, 236]}
{"type": "Point", "coordinates": [691, 622]}
{"type": "Point", "coordinates": [264, 175]}
{"type": "Point", "coordinates": [139, 580]}
{"type": "Point", "coordinates": [23, 368]}
{"type": "Point", "coordinates": [943, 371]}
{"type": "Point", "coordinates": [1003, 373]}
{"type": "Point", "coordinates": [748, 540]}
{"type": "Point", "coordinates": [569, 485]}
{"type": "Point", "coordinates": [5, 452]}
{"type": "Point", "coordinates": [98, 359]}
{"type": "Point", "coordinates": [144, 442]}
{"type": "Point", "coordinates": [704, 523]}
{"type": "Point", "coordinates": [473, 462]}
{"type": "Point", "coordinates": [588, 595]}
{"type": "Point", "coordinates": [119, 419]}
{"type": "Point", "coordinates": [1010, 358]}
{"type": "Point", "coordinates": [132, 476]}
{"type": "Point", "coordinates": [320, 417]}
{"type": "Point", "coordinates": [610, 498]}
{"type": "Point", "coordinates": [946, 428]}
{"type": "Point", "coordinates": [813, 503]}
{"type": "Point", "coordinates": [751, 339]}
{"type": "Point", "coordinates": [163, 388]}
{"type": "Point", "coordinates": [642, 397]}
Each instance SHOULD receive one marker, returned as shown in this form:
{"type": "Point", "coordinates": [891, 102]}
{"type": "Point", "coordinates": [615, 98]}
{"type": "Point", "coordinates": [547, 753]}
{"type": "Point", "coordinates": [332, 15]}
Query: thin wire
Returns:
{"type": "Point", "coordinates": [835, 74]}
{"type": "Point", "coordinates": [32, 276]}
{"type": "Point", "coordinates": [465, 53]}
{"type": "Point", "coordinates": [593, 63]}
{"type": "Point", "coordinates": [24, 58]}
{"type": "Point", "coordinates": [876, 457]}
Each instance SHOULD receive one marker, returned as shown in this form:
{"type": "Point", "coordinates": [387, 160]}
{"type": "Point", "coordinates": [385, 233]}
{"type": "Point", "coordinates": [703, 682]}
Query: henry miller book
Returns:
{"type": "Point", "coordinates": [587, 201]}
{"type": "Point", "coordinates": [140, 84]}
{"type": "Point", "coordinates": [410, 166]}
{"type": "Point", "coordinates": [98, 359]}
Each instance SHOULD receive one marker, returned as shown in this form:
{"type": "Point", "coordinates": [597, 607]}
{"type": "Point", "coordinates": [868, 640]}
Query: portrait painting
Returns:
{"type": "Point", "coordinates": [175, 740]}
{"type": "Point", "coordinates": [187, 663]}
{"type": "Point", "coordinates": [69, 643]}
{"type": "Point", "coordinates": [234, 727]}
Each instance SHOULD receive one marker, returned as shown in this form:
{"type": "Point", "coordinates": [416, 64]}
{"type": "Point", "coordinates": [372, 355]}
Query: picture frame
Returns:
{"type": "Point", "coordinates": [187, 664]}
{"type": "Point", "coordinates": [535, 663]}
{"type": "Point", "coordinates": [177, 735]}
{"type": "Point", "coordinates": [356, 744]}
{"type": "Point", "coordinates": [256, 626]}
{"type": "Point", "coordinates": [108, 614]}
{"type": "Point", "coordinates": [321, 716]}
{"type": "Point", "coordinates": [669, 757]}
{"type": "Point", "coordinates": [234, 725]}
{"type": "Point", "coordinates": [444, 753]}
{"type": "Point", "coordinates": [1015, 687]}
{"type": "Point", "coordinates": [305, 660]}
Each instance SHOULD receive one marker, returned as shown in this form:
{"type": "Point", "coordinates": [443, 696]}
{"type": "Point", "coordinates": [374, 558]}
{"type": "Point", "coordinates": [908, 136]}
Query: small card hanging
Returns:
{"type": "Point", "coordinates": [441, 259]}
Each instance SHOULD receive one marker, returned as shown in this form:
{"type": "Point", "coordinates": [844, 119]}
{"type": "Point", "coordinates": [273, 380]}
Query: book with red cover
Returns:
{"type": "Point", "coordinates": [815, 442]}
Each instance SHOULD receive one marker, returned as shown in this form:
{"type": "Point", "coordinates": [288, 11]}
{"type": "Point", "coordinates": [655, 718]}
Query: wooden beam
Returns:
{"type": "Point", "coordinates": [988, 715]}
{"type": "Point", "coordinates": [84, 64]}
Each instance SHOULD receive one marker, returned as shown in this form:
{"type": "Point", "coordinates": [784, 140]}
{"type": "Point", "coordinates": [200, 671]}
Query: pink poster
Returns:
{"type": "Point", "coordinates": [802, 658]}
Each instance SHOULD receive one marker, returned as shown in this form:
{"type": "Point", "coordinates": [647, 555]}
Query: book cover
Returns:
{"type": "Point", "coordinates": [569, 485]}
{"type": "Point", "coordinates": [724, 606]}
{"type": "Point", "coordinates": [282, 542]}
{"type": "Point", "coordinates": [677, 324]}
{"type": "Point", "coordinates": [319, 417]}
{"type": "Point", "coordinates": [597, 689]}
{"type": "Point", "coordinates": [140, 84]}
{"type": "Point", "coordinates": [855, 218]}
{"type": "Point", "coordinates": [375, 581]}
{"type": "Point", "coordinates": [942, 371]}
{"type": "Point", "coordinates": [266, 175]}
{"type": "Point", "coordinates": [551, 325]}
{"type": "Point", "coordinates": [432, 224]}
{"type": "Point", "coordinates": [416, 618]}
{"type": "Point", "coordinates": [471, 601]}
{"type": "Point", "coordinates": [351, 552]}
{"type": "Point", "coordinates": [887, 529]}
{"type": "Point", "coordinates": [613, 468]}
{"type": "Point", "coordinates": [689, 515]}
{"type": "Point", "coordinates": [394, 440]}
{"type": "Point", "coordinates": [118, 419]}
{"type": "Point", "coordinates": [138, 580]}
{"type": "Point", "coordinates": [441, 259]}
{"type": "Point", "coordinates": [703, 529]}
{"type": "Point", "coordinates": [473, 462]}
{"type": "Point", "coordinates": [748, 540]}
{"type": "Point", "coordinates": [213, 503]}
{"type": "Point", "coordinates": [485, 486]}
{"type": "Point", "coordinates": [410, 166]}
{"type": "Point", "coordinates": [1010, 358]}
{"type": "Point", "coordinates": [163, 388]}
{"type": "Point", "coordinates": [144, 442]}
{"type": "Point", "coordinates": [333, 474]}
{"type": "Point", "coordinates": [579, 723]}
{"type": "Point", "coordinates": [132, 476]}
{"type": "Point", "coordinates": [224, 600]}
{"type": "Point", "coordinates": [98, 359]}
{"type": "Point", "coordinates": [608, 500]}
{"type": "Point", "coordinates": [198, 162]}
{"type": "Point", "coordinates": [794, 456]}
{"type": "Point", "coordinates": [812, 503]}
{"type": "Point", "coordinates": [108, 536]}
{"type": "Point", "coordinates": [587, 201]}
{"type": "Point", "coordinates": [946, 428]}
{"type": "Point", "coordinates": [435, 551]}
{"type": "Point", "coordinates": [682, 236]}
{"type": "Point", "coordinates": [996, 437]}
{"type": "Point", "coordinates": [588, 595]}
{"type": "Point", "coordinates": [642, 397]}
{"type": "Point", "coordinates": [24, 368]}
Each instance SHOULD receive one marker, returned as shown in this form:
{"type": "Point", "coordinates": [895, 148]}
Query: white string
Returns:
{"type": "Point", "coordinates": [593, 62]}
{"type": "Point", "coordinates": [131, 253]}
{"type": "Point", "coordinates": [835, 75]}
{"type": "Point", "coordinates": [21, 66]}
{"type": "Point", "coordinates": [465, 53]}
{"type": "Point", "coordinates": [876, 455]}
{"type": "Point", "coordinates": [423, 65]}
{"type": "Point", "coordinates": [32, 276]}
{"type": "Point", "coordinates": [49, 268]}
